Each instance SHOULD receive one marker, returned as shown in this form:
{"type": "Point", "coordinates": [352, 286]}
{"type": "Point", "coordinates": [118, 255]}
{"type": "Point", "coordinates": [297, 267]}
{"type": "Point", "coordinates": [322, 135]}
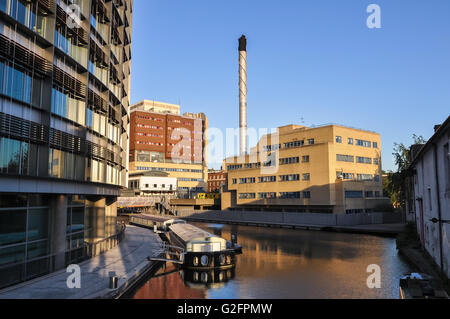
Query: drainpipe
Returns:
{"type": "Point", "coordinates": [439, 205]}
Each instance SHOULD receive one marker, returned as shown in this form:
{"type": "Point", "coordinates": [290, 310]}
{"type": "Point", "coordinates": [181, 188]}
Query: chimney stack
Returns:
{"type": "Point", "coordinates": [243, 94]}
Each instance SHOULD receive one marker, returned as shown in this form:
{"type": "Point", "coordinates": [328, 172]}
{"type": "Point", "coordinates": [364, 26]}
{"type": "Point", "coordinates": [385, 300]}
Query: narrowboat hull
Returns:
{"type": "Point", "coordinates": [205, 260]}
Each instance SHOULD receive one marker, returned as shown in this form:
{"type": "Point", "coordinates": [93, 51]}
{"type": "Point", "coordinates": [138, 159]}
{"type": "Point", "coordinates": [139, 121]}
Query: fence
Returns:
{"type": "Point", "coordinates": [90, 250]}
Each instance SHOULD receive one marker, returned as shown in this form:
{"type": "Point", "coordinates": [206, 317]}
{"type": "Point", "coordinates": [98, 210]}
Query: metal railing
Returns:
{"type": "Point", "coordinates": [99, 247]}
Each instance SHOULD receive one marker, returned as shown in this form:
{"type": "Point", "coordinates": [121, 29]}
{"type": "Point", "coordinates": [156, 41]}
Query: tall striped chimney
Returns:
{"type": "Point", "coordinates": [243, 94]}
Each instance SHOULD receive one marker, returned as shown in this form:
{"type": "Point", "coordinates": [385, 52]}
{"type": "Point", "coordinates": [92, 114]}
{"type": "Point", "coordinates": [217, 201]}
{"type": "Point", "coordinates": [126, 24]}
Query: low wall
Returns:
{"type": "Point", "coordinates": [294, 218]}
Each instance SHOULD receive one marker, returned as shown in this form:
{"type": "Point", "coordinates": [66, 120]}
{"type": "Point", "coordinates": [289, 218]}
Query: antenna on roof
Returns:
{"type": "Point", "coordinates": [302, 120]}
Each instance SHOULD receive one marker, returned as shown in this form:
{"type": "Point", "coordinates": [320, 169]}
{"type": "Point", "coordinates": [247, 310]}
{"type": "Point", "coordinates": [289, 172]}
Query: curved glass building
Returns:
{"type": "Point", "coordinates": [64, 118]}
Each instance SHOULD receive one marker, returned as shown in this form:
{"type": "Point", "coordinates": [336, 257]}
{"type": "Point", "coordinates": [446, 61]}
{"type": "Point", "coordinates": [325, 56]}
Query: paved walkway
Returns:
{"type": "Point", "coordinates": [128, 261]}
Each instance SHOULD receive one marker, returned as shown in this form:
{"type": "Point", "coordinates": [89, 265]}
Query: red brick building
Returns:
{"type": "Point", "coordinates": [154, 132]}
{"type": "Point", "coordinates": [216, 179]}
{"type": "Point", "coordinates": [161, 139]}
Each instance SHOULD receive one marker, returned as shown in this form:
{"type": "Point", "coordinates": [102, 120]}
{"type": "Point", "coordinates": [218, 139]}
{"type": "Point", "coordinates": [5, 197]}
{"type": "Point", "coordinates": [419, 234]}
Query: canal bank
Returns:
{"type": "Point", "coordinates": [386, 230]}
{"type": "Point", "coordinates": [128, 261]}
{"type": "Point", "coordinates": [410, 248]}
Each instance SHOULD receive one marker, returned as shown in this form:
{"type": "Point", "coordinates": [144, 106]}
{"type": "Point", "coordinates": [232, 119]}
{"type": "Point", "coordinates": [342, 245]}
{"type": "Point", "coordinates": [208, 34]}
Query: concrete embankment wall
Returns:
{"type": "Point", "coordinates": [294, 218]}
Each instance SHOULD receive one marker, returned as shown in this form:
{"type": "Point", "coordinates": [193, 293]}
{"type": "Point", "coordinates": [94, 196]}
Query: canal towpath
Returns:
{"type": "Point", "coordinates": [128, 261]}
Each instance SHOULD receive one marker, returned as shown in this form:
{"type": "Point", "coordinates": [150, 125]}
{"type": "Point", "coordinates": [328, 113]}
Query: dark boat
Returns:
{"type": "Point", "coordinates": [421, 286]}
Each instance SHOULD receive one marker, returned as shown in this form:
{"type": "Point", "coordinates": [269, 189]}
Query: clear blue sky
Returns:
{"type": "Point", "coordinates": [314, 59]}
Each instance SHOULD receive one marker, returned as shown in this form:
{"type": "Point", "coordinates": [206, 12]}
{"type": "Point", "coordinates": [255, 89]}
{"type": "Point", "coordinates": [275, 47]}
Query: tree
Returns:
{"type": "Point", "coordinates": [396, 181]}
{"type": "Point", "coordinates": [402, 154]}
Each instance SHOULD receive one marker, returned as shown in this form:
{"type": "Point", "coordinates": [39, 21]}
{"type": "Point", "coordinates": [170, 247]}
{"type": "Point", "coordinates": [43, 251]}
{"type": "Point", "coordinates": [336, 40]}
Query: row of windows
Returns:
{"type": "Point", "coordinates": [267, 195]}
{"type": "Point", "coordinates": [345, 158]}
{"type": "Point", "coordinates": [182, 179]}
{"type": "Point", "coordinates": [162, 169]}
{"type": "Point", "coordinates": [180, 122]}
{"type": "Point", "coordinates": [216, 183]}
{"type": "Point", "coordinates": [149, 126]}
{"type": "Point", "coordinates": [290, 178]}
{"type": "Point", "coordinates": [294, 144]}
{"type": "Point", "coordinates": [19, 84]}
{"type": "Point", "coordinates": [212, 177]}
{"type": "Point", "coordinates": [67, 105]}
{"type": "Point", "coordinates": [179, 129]}
{"type": "Point", "coordinates": [170, 187]}
{"type": "Point", "coordinates": [366, 177]}
{"type": "Point", "coordinates": [345, 176]}
{"type": "Point", "coordinates": [252, 165]}
{"type": "Point", "coordinates": [150, 135]}
{"type": "Point", "coordinates": [272, 147]}
{"type": "Point", "coordinates": [358, 142]}
{"type": "Point", "coordinates": [301, 143]}
{"type": "Point", "coordinates": [156, 119]}
{"type": "Point", "coordinates": [18, 157]}
{"type": "Point", "coordinates": [363, 160]}
{"type": "Point", "coordinates": [26, 13]}
{"type": "Point", "coordinates": [289, 160]}
{"type": "Point", "coordinates": [191, 189]}
{"type": "Point", "coordinates": [136, 185]}
{"type": "Point", "coordinates": [267, 179]}
{"type": "Point", "coordinates": [306, 159]}
{"type": "Point", "coordinates": [360, 177]}
{"type": "Point", "coordinates": [70, 45]}
{"type": "Point", "coordinates": [149, 143]}
{"type": "Point", "coordinates": [286, 195]}
{"type": "Point", "coordinates": [289, 145]}
{"type": "Point", "coordinates": [295, 177]}
{"type": "Point", "coordinates": [66, 165]}
{"type": "Point", "coordinates": [247, 180]}
{"type": "Point", "coordinates": [247, 195]}
{"type": "Point", "coordinates": [359, 159]}
{"type": "Point", "coordinates": [281, 195]}
{"type": "Point", "coordinates": [21, 158]}
{"type": "Point", "coordinates": [283, 161]}
{"type": "Point", "coordinates": [70, 166]}
{"type": "Point", "coordinates": [272, 179]}
{"type": "Point", "coordinates": [366, 143]}
{"type": "Point", "coordinates": [359, 194]}
{"type": "Point", "coordinates": [269, 163]}
{"type": "Point", "coordinates": [147, 156]}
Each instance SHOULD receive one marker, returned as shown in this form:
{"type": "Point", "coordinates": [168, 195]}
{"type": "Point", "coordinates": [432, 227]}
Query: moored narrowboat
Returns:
{"type": "Point", "coordinates": [202, 250]}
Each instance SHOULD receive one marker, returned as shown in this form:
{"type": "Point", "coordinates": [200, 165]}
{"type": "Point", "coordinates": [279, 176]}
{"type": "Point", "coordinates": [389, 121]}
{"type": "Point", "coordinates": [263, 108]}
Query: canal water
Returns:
{"type": "Point", "coordinates": [287, 264]}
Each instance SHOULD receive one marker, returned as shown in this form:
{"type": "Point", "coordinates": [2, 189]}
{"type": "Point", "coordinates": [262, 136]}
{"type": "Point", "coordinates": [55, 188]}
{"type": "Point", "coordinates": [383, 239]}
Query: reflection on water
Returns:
{"type": "Point", "coordinates": [284, 263]}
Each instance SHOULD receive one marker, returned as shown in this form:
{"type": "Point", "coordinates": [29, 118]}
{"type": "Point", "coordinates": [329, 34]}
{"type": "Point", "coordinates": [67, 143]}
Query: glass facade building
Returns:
{"type": "Point", "coordinates": [64, 117]}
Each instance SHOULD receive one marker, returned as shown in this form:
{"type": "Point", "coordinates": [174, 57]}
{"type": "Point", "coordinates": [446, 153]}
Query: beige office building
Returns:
{"type": "Point", "coordinates": [327, 169]}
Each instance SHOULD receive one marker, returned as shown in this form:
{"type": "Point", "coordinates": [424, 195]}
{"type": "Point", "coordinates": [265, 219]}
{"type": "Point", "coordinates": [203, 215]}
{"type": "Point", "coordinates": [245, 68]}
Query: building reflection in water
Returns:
{"type": "Point", "coordinates": [283, 263]}
{"type": "Point", "coordinates": [170, 286]}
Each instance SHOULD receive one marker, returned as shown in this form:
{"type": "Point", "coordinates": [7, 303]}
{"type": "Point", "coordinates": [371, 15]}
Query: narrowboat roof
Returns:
{"type": "Point", "coordinates": [188, 233]}
{"type": "Point", "coordinates": [159, 219]}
